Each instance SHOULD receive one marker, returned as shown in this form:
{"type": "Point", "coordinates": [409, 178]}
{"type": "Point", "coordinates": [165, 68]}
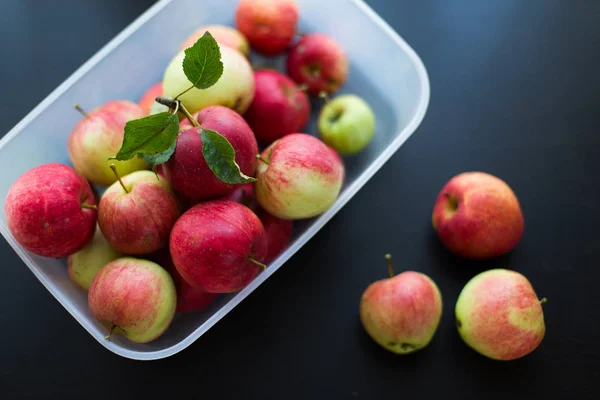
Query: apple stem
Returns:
{"type": "Point", "coordinates": [112, 328]}
{"type": "Point", "coordinates": [301, 88]}
{"type": "Point", "coordinates": [114, 169]}
{"type": "Point", "coordinates": [81, 110]}
{"type": "Point", "coordinates": [543, 301]}
{"type": "Point", "coordinates": [91, 207]}
{"type": "Point", "coordinates": [388, 258]}
{"type": "Point", "coordinates": [258, 263]}
{"type": "Point", "coordinates": [259, 158]}
{"type": "Point", "coordinates": [187, 114]}
{"type": "Point", "coordinates": [323, 94]}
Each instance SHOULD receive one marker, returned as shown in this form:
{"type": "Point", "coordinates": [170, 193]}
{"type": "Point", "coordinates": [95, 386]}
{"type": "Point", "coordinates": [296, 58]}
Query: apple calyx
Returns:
{"type": "Point", "coordinates": [81, 110]}
{"type": "Point", "coordinates": [257, 263]}
{"type": "Point", "coordinates": [114, 170]}
{"type": "Point", "coordinates": [259, 158]}
{"type": "Point", "coordinates": [388, 258]}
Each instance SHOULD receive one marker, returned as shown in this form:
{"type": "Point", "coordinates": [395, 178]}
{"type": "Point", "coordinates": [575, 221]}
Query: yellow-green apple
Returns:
{"type": "Point", "coordinates": [223, 35]}
{"type": "Point", "coordinates": [499, 315]}
{"type": "Point", "coordinates": [147, 100]}
{"type": "Point", "coordinates": [85, 264]}
{"type": "Point", "coordinates": [134, 298]}
{"type": "Point", "coordinates": [189, 298]}
{"type": "Point", "coordinates": [279, 107]}
{"type": "Point", "coordinates": [136, 214]}
{"type": "Point", "coordinates": [269, 25]}
{"type": "Point", "coordinates": [278, 231]}
{"type": "Point", "coordinates": [51, 210]}
{"type": "Point", "coordinates": [188, 171]}
{"type": "Point", "coordinates": [98, 136]}
{"type": "Point", "coordinates": [401, 313]}
{"type": "Point", "coordinates": [478, 216]}
{"type": "Point", "coordinates": [235, 88]}
{"type": "Point", "coordinates": [298, 177]}
{"type": "Point", "coordinates": [218, 246]}
{"type": "Point", "coordinates": [347, 123]}
{"type": "Point", "coordinates": [318, 62]}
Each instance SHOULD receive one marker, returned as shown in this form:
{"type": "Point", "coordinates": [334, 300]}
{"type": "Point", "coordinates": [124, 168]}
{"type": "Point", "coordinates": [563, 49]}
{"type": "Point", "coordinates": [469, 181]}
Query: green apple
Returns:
{"type": "Point", "coordinates": [235, 88]}
{"type": "Point", "coordinates": [347, 123]}
{"type": "Point", "coordinates": [85, 264]}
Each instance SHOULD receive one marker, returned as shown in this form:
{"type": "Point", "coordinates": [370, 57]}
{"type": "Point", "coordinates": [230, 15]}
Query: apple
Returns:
{"type": "Point", "coordinates": [218, 246]}
{"type": "Point", "coordinates": [279, 107]}
{"type": "Point", "coordinates": [83, 265]}
{"type": "Point", "coordinates": [188, 171]}
{"type": "Point", "coordinates": [319, 62]}
{"type": "Point", "coordinates": [477, 216]}
{"type": "Point", "coordinates": [499, 315]}
{"type": "Point", "coordinates": [223, 35]}
{"type": "Point", "coordinates": [401, 313]}
{"type": "Point", "coordinates": [136, 213]}
{"type": "Point", "coordinates": [235, 88]}
{"type": "Point", "coordinates": [298, 177]}
{"type": "Point", "coordinates": [347, 123]}
{"type": "Point", "coordinates": [51, 210]}
{"type": "Point", "coordinates": [98, 136]}
{"type": "Point", "coordinates": [147, 100]}
{"type": "Point", "coordinates": [134, 298]}
{"type": "Point", "coordinates": [269, 25]}
{"type": "Point", "coordinates": [278, 231]}
{"type": "Point", "coordinates": [189, 298]}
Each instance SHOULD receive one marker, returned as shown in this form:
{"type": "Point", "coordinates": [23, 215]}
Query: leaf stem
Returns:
{"type": "Point", "coordinates": [259, 158]}
{"type": "Point", "coordinates": [184, 92]}
{"type": "Point", "coordinates": [187, 114]}
{"type": "Point", "coordinates": [81, 110]}
{"type": "Point", "coordinates": [91, 207]}
{"type": "Point", "coordinates": [388, 258]}
{"type": "Point", "coordinates": [258, 263]}
{"type": "Point", "coordinates": [114, 169]}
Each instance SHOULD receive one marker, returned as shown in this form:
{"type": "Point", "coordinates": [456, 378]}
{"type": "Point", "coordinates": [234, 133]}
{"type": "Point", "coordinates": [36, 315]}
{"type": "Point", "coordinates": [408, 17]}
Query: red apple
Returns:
{"type": "Point", "coordinates": [137, 213]}
{"type": "Point", "coordinates": [319, 62]}
{"type": "Point", "coordinates": [223, 35]}
{"type": "Point", "coordinates": [218, 246]}
{"type": "Point", "coordinates": [148, 98]}
{"type": "Point", "coordinates": [278, 231]}
{"type": "Point", "coordinates": [134, 298]}
{"type": "Point", "coordinates": [279, 107]}
{"type": "Point", "coordinates": [99, 136]}
{"type": "Point", "coordinates": [190, 175]}
{"type": "Point", "coordinates": [478, 216]}
{"type": "Point", "coordinates": [269, 25]}
{"type": "Point", "coordinates": [189, 298]}
{"type": "Point", "coordinates": [51, 210]}
{"type": "Point", "coordinates": [299, 177]}
{"type": "Point", "coordinates": [499, 315]}
{"type": "Point", "coordinates": [401, 313]}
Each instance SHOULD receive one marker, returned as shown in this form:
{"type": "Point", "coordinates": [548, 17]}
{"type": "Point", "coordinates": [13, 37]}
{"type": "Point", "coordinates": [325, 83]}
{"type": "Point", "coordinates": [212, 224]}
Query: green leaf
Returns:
{"type": "Point", "coordinates": [160, 158]}
{"type": "Point", "coordinates": [220, 157]}
{"type": "Point", "coordinates": [149, 135]}
{"type": "Point", "coordinates": [202, 63]}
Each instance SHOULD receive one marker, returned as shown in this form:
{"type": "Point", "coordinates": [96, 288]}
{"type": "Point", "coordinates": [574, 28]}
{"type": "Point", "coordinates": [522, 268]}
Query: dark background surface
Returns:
{"type": "Point", "coordinates": [515, 92]}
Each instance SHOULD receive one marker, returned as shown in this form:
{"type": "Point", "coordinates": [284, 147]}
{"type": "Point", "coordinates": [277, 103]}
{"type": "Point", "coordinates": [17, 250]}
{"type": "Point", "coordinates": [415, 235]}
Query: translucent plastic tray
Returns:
{"type": "Point", "coordinates": [383, 69]}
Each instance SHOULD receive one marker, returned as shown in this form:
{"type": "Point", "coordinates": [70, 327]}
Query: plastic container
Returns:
{"type": "Point", "coordinates": [383, 69]}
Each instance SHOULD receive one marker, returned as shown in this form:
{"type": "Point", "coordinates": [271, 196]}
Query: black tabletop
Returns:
{"type": "Point", "coordinates": [515, 92]}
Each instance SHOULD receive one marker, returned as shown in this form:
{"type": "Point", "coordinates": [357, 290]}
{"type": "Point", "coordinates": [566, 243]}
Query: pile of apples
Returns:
{"type": "Point", "coordinates": [158, 242]}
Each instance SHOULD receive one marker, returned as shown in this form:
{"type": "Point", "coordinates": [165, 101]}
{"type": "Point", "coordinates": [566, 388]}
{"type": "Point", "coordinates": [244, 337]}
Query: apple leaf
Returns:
{"type": "Point", "coordinates": [160, 158]}
{"type": "Point", "coordinates": [202, 63]}
{"type": "Point", "coordinates": [149, 135]}
{"type": "Point", "coordinates": [220, 157]}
